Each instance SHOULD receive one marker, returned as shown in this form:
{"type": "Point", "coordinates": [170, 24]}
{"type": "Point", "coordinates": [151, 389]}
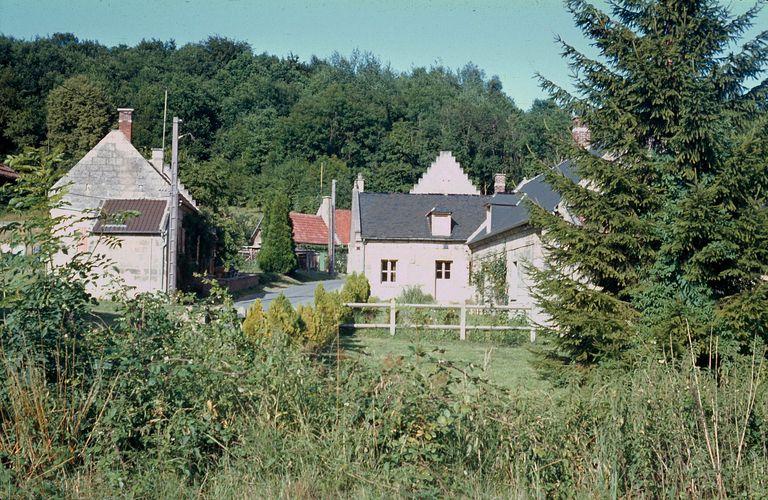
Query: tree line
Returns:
{"type": "Point", "coordinates": [259, 123]}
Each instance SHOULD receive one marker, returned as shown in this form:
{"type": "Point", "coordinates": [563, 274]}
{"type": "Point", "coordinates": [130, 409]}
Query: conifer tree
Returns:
{"type": "Point", "coordinates": [277, 252]}
{"type": "Point", "coordinates": [671, 238]}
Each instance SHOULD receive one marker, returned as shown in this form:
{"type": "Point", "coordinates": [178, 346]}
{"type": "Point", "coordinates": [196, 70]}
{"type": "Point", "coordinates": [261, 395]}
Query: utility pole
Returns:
{"type": "Point", "coordinates": [173, 219]}
{"type": "Point", "coordinates": [332, 229]}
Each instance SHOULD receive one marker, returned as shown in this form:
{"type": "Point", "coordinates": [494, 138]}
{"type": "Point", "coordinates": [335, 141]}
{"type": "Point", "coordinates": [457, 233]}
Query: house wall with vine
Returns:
{"type": "Point", "coordinates": [499, 269]}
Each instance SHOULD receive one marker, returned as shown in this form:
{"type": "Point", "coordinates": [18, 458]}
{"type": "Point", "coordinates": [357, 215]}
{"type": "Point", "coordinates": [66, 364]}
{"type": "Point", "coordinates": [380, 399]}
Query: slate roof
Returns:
{"type": "Point", "coordinates": [149, 221]}
{"type": "Point", "coordinates": [400, 216]}
{"type": "Point", "coordinates": [311, 229]}
{"type": "Point", "coordinates": [7, 172]}
{"type": "Point", "coordinates": [508, 211]}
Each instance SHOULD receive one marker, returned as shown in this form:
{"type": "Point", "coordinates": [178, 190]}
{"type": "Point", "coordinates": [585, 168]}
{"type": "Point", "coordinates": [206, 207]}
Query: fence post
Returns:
{"type": "Point", "coordinates": [392, 317]}
{"type": "Point", "coordinates": [463, 321]}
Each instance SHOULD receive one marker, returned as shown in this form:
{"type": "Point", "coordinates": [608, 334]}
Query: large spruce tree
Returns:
{"type": "Point", "coordinates": [671, 239]}
{"type": "Point", "coordinates": [277, 251]}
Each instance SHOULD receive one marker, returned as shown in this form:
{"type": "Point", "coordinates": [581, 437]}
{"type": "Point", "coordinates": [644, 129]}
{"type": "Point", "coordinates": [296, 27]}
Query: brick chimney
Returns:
{"type": "Point", "coordinates": [580, 133]}
{"type": "Point", "coordinates": [500, 183]}
{"type": "Point", "coordinates": [125, 121]}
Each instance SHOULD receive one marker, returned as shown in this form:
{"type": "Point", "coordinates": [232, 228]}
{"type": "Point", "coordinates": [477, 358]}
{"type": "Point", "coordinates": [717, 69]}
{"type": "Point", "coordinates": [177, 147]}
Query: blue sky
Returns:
{"type": "Point", "coordinates": [512, 39]}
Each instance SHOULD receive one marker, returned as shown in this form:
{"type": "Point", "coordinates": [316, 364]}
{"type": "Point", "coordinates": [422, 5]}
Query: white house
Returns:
{"type": "Point", "coordinates": [441, 232]}
{"type": "Point", "coordinates": [417, 239]}
{"type": "Point", "coordinates": [507, 234]}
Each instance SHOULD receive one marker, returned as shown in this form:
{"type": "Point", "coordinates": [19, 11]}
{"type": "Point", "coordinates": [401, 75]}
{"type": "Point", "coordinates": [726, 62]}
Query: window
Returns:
{"type": "Point", "coordinates": [443, 269]}
{"type": "Point", "coordinates": [388, 268]}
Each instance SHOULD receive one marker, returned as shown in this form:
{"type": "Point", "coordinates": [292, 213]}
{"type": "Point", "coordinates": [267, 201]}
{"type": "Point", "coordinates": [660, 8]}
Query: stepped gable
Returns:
{"type": "Point", "coordinates": [445, 176]}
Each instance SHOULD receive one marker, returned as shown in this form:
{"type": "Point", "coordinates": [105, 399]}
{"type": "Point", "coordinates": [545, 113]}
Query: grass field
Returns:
{"type": "Point", "coordinates": [505, 365]}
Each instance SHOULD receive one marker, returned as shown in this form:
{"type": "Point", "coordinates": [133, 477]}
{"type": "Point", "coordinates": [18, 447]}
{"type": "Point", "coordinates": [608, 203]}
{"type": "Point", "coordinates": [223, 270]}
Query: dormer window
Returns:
{"type": "Point", "coordinates": [440, 221]}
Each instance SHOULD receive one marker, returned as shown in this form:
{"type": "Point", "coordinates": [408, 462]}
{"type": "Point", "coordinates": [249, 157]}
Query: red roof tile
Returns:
{"type": "Point", "coordinates": [343, 225]}
{"type": "Point", "coordinates": [309, 229]}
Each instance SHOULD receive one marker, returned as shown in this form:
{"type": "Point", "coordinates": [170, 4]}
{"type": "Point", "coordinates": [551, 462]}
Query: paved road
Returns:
{"type": "Point", "coordinates": [303, 293]}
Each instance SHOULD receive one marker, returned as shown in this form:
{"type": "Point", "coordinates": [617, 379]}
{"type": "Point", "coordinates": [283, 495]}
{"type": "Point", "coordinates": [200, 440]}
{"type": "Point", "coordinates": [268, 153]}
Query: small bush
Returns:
{"type": "Point", "coordinates": [283, 318]}
{"type": "Point", "coordinates": [414, 295]}
{"type": "Point", "coordinates": [356, 288]}
{"type": "Point", "coordinates": [255, 325]}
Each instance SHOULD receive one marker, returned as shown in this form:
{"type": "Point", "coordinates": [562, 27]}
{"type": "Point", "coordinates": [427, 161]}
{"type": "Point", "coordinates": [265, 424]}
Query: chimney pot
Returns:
{"type": "Point", "coordinates": [499, 183]}
{"type": "Point", "coordinates": [125, 121]}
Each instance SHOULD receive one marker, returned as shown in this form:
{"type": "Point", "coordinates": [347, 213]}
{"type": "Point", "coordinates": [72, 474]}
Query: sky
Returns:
{"type": "Point", "coordinates": [513, 39]}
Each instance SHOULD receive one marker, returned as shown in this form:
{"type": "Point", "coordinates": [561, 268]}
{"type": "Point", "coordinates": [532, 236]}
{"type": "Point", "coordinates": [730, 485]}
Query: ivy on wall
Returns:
{"type": "Point", "coordinates": [490, 279]}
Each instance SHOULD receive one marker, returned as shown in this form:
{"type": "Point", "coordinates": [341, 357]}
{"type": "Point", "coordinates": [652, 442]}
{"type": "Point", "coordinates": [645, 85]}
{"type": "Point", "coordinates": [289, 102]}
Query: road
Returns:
{"type": "Point", "coordinates": [303, 293]}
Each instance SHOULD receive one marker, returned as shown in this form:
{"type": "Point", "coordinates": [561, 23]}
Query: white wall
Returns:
{"type": "Point", "coordinates": [415, 267]}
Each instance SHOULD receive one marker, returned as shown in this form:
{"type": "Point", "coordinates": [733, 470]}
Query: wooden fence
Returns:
{"type": "Point", "coordinates": [462, 327]}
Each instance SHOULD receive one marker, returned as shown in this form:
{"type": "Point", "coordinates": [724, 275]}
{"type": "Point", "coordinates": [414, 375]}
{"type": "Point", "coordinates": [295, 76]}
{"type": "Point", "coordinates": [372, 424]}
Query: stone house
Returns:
{"type": "Point", "coordinates": [442, 232]}
{"type": "Point", "coordinates": [418, 239]}
{"type": "Point", "coordinates": [115, 203]}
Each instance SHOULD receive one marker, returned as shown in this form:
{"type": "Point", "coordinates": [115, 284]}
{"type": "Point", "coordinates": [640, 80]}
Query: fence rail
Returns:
{"type": "Point", "coordinates": [462, 327]}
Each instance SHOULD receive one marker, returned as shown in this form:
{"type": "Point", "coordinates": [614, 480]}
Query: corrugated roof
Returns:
{"type": "Point", "coordinates": [388, 216]}
{"type": "Point", "coordinates": [118, 217]}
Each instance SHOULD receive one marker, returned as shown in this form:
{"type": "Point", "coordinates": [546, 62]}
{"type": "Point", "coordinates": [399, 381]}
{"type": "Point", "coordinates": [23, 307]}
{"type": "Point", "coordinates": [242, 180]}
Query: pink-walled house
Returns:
{"type": "Point", "coordinates": [417, 239]}
{"type": "Point", "coordinates": [434, 236]}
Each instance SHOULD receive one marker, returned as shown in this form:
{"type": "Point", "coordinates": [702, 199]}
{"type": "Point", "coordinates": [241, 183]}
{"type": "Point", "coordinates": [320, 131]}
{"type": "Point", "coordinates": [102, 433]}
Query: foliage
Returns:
{"type": "Point", "coordinates": [671, 231]}
{"type": "Point", "coordinates": [283, 319]}
{"type": "Point", "coordinates": [261, 122]}
{"type": "Point", "coordinates": [255, 325]}
{"type": "Point", "coordinates": [489, 277]}
{"type": "Point", "coordinates": [356, 288]}
{"type": "Point", "coordinates": [321, 323]}
{"type": "Point", "coordinates": [172, 398]}
{"type": "Point", "coordinates": [78, 115]}
{"type": "Point", "coordinates": [414, 295]}
{"type": "Point", "coordinates": [277, 253]}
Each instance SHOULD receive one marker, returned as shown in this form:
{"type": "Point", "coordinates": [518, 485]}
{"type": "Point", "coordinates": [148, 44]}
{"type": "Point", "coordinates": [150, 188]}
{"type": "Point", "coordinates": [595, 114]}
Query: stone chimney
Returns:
{"type": "Point", "coordinates": [359, 183]}
{"type": "Point", "coordinates": [125, 121]}
{"type": "Point", "coordinates": [500, 183]}
{"type": "Point", "coordinates": [580, 133]}
{"type": "Point", "coordinates": [157, 158]}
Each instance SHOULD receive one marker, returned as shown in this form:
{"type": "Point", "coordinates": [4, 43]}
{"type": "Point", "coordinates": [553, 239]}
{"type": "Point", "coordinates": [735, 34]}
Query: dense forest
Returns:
{"type": "Point", "coordinates": [257, 123]}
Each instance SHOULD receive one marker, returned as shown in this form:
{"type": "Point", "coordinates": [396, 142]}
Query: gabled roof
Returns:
{"type": "Point", "coordinates": [7, 172]}
{"type": "Point", "coordinates": [400, 216]}
{"type": "Point", "coordinates": [310, 229]}
{"type": "Point", "coordinates": [508, 211]}
{"type": "Point", "coordinates": [114, 169]}
{"type": "Point", "coordinates": [119, 217]}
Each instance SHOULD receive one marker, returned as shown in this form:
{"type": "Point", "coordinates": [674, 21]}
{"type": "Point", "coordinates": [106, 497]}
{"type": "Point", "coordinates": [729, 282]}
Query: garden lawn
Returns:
{"type": "Point", "coordinates": [504, 365]}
